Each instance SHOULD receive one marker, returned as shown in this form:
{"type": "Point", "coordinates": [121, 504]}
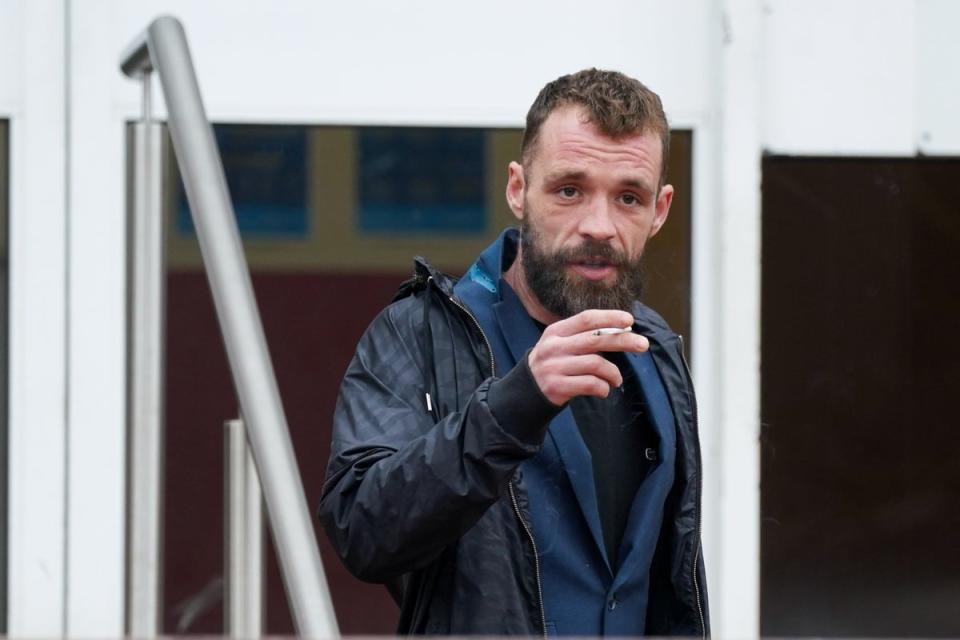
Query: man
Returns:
{"type": "Point", "coordinates": [506, 457]}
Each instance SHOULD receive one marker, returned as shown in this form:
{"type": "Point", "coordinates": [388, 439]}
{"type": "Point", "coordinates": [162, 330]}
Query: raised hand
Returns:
{"type": "Point", "coordinates": [566, 361]}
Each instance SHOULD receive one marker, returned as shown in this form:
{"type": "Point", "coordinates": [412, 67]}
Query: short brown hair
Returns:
{"type": "Point", "coordinates": [617, 104]}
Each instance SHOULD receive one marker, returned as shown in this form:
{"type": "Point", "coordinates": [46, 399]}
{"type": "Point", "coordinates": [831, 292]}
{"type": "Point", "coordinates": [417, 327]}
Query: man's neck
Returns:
{"type": "Point", "coordinates": [517, 279]}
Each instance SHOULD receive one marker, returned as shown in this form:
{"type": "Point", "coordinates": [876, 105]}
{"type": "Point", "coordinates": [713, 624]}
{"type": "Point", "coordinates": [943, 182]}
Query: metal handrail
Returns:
{"type": "Point", "coordinates": [146, 305]}
{"type": "Point", "coordinates": [243, 537]}
{"type": "Point", "coordinates": [163, 47]}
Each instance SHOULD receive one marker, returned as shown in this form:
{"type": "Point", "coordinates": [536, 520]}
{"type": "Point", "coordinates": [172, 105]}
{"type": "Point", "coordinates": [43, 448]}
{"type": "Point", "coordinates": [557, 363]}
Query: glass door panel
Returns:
{"type": "Point", "coordinates": [331, 218]}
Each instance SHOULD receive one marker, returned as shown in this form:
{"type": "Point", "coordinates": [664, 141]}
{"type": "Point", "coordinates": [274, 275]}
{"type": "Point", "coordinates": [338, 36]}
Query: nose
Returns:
{"type": "Point", "coordinates": [596, 220]}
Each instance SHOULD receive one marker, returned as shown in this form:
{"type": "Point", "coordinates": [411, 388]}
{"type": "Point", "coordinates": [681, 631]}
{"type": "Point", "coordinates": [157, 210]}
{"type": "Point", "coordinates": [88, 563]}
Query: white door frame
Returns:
{"type": "Point", "coordinates": [38, 309]}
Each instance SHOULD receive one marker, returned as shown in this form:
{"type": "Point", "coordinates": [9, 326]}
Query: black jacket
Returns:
{"type": "Point", "coordinates": [431, 502]}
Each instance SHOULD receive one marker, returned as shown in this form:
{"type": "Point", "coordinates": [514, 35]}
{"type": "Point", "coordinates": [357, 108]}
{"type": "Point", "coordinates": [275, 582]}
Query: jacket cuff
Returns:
{"type": "Point", "coordinates": [519, 406]}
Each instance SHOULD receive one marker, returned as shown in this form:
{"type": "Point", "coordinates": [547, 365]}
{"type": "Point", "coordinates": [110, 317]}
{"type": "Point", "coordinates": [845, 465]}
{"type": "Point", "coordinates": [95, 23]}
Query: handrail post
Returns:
{"type": "Point", "coordinates": [164, 47]}
{"type": "Point", "coordinates": [243, 537]}
{"type": "Point", "coordinates": [146, 304]}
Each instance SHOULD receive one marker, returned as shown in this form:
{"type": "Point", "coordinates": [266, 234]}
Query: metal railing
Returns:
{"type": "Point", "coordinates": [163, 48]}
{"type": "Point", "coordinates": [243, 537]}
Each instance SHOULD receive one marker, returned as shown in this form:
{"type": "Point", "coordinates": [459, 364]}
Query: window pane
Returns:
{"type": "Point", "coordinates": [331, 218]}
{"type": "Point", "coordinates": [421, 180]}
{"type": "Point", "coordinates": [266, 172]}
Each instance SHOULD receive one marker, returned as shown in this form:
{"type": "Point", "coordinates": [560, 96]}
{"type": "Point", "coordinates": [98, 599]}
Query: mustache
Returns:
{"type": "Point", "coordinates": [593, 249]}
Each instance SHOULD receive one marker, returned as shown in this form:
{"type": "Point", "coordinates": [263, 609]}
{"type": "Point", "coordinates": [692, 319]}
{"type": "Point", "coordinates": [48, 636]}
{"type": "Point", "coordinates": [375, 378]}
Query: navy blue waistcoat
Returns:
{"type": "Point", "coordinates": [582, 594]}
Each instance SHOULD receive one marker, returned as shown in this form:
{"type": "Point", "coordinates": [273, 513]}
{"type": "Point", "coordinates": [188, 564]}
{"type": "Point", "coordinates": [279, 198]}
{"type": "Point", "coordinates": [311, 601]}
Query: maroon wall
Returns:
{"type": "Point", "coordinates": [312, 323]}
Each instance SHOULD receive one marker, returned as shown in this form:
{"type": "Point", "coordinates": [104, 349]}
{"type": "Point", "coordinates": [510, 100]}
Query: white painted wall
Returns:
{"type": "Point", "coordinates": [858, 77]}
{"type": "Point", "coordinates": [96, 338]}
{"type": "Point", "coordinates": [861, 77]}
{"type": "Point", "coordinates": [840, 77]}
{"type": "Point", "coordinates": [11, 56]}
{"type": "Point", "coordinates": [938, 83]}
{"type": "Point", "coordinates": [427, 61]}
{"type": "Point", "coordinates": [734, 498]}
{"type": "Point", "coordinates": [32, 97]}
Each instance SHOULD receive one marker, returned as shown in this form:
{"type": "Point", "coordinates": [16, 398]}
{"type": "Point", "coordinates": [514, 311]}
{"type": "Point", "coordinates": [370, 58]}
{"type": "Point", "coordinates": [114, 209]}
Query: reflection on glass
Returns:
{"type": "Point", "coordinates": [266, 173]}
{"type": "Point", "coordinates": [421, 181]}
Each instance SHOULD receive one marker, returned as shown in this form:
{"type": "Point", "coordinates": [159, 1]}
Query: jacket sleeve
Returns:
{"type": "Point", "coordinates": [401, 487]}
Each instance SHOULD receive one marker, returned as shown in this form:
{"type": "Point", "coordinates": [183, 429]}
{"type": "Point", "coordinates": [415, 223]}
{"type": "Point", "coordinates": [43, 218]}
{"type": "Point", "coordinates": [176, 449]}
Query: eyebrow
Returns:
{"type": "Point", "coordinates": [639, 186]}
{"type": "Point", "coordinates": [564, 175]}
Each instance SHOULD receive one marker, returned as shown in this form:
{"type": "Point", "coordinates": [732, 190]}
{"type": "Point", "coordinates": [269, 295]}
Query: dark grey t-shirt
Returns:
{"type": "Point", "coordinates": [617, 431]}
{"type": "Point", "coordinates": [622, 445]}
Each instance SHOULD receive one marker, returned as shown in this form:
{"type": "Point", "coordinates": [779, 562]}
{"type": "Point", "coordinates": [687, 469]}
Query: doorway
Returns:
{"type": "Point", "coordinates": [860, 370]}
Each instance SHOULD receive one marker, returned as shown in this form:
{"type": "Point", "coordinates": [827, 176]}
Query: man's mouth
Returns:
{"type": "Point", "coordinates": [593, 268]}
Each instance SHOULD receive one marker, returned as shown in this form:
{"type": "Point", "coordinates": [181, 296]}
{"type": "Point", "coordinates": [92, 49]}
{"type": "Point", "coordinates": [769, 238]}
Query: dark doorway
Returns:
{"type": "Point", "coordinates": [860, 364]}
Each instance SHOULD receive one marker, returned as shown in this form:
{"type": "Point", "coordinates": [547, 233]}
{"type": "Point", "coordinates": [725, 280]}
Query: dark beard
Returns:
{"type": "Point", "coordinates": [564, 295]}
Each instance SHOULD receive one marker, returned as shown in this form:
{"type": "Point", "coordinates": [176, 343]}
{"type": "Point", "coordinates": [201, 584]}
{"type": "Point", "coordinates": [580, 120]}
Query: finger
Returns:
{"type": "Point", "coordinates": [589, 320]}
{"type": "Point", "coordinates": [564, 389]}
{"type": "Point", "coordinates": [589, 365]}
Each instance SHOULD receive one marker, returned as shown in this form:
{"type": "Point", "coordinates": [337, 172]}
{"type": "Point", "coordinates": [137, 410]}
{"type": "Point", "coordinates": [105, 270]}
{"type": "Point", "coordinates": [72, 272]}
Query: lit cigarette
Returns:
{"type": "Point", "coordinates": [612, 331]}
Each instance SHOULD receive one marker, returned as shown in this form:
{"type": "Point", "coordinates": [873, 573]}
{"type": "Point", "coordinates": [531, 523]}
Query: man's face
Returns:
{"type": "Point", "coordinates": [587, 205]}
{"type": "Point", "coordinates": [562, 293]}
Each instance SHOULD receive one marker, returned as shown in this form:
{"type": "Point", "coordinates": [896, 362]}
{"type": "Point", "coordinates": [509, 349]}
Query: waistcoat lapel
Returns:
{"type": "Point", "coordinates": [521, 334]}
{"type": "Point", "coordinates": [646, 513]}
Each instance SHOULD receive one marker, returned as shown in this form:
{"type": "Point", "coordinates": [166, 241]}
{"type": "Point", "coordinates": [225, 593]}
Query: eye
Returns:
{"type": "Point", "coordinates": [568, 192]}
{"type": "Point", "coordinates": [631, 200]}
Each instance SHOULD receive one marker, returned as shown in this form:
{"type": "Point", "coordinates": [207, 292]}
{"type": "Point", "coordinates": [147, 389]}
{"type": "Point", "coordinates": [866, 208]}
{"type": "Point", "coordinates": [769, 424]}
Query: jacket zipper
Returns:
{"type": "Point", "coordinates": [493, 368]}
{"type": "Point", "coordinates": [513, 495]}
{"type": "Point", "coordinates": [536, 559]}
{"type": "Point", "coordinates": [476, 323]}
{"type": "Point", "coordinates": [696, 552]}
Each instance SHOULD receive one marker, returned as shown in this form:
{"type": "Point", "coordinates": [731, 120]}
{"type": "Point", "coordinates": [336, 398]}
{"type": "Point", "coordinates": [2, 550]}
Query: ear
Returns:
{"type": "Point", "coordinates": [662, 208]}
{"type": "Point", "coordinates": [515, 188]}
